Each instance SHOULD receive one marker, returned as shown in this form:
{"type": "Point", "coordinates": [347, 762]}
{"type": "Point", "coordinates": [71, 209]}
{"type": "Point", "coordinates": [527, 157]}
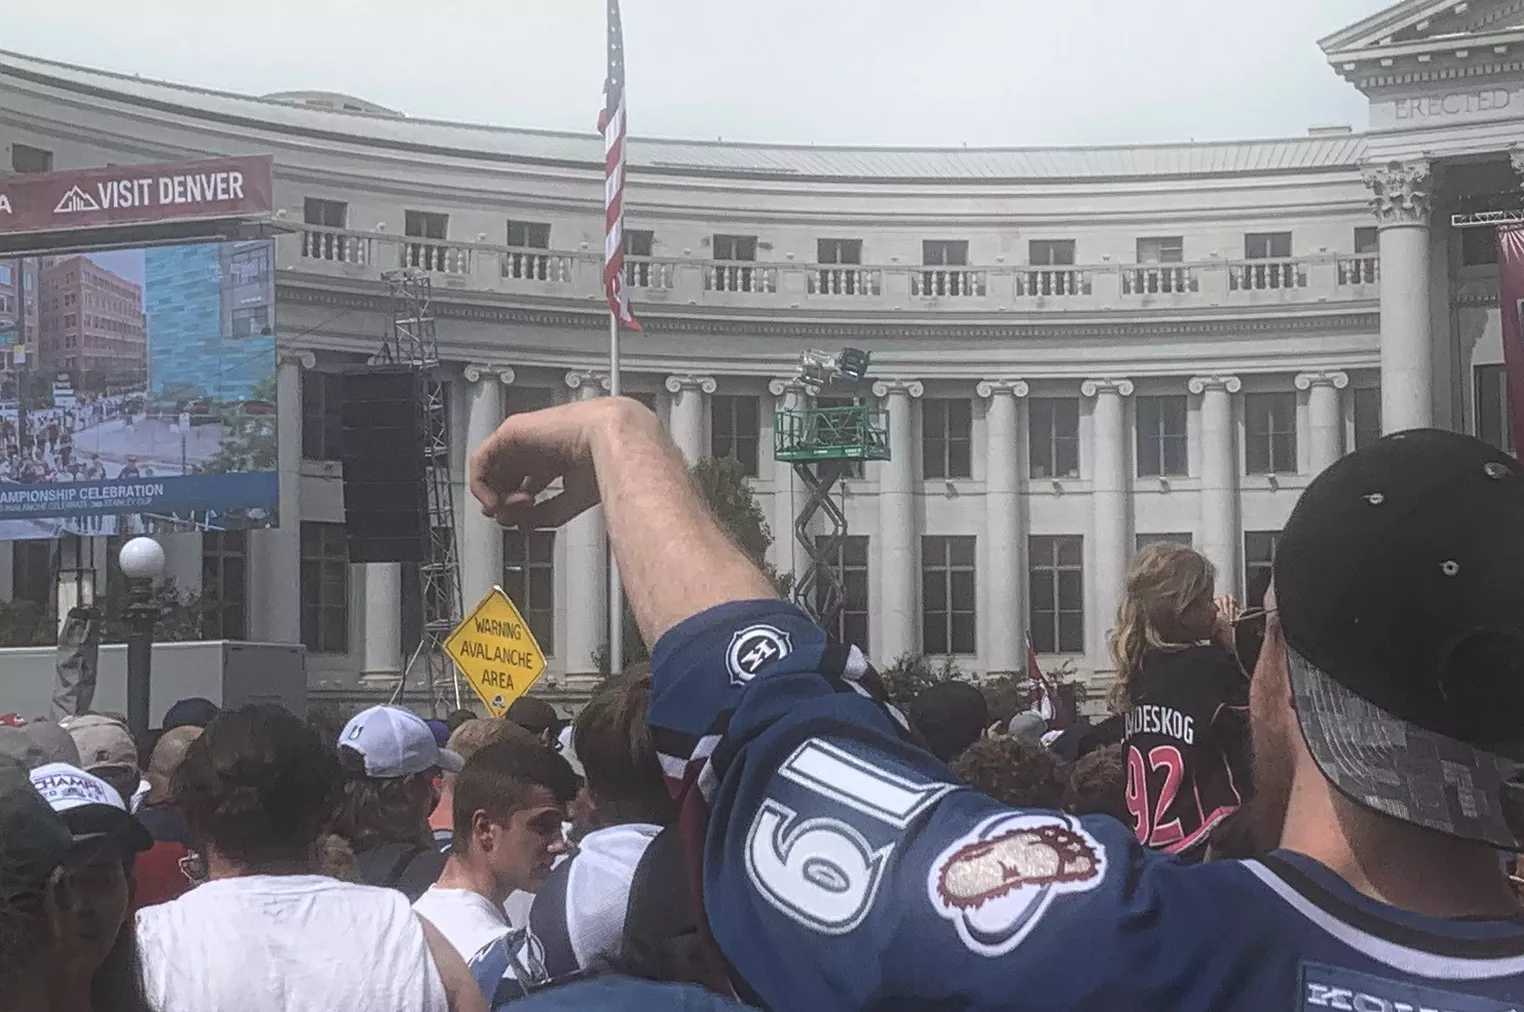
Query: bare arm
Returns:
{"type": "Point", "coordinates": [459, 987]}
{"type": "Point", "coordinates": [674, 558]}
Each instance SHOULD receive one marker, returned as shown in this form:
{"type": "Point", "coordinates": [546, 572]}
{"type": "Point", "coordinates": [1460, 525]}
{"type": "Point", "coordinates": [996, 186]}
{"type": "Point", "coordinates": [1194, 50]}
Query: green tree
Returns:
{"type": "Point", "coordinates": [912, 674]}
{"type": "Point", "coordinates": [723, 485]}
{"type": "Point", "coordinates": [248, 441]}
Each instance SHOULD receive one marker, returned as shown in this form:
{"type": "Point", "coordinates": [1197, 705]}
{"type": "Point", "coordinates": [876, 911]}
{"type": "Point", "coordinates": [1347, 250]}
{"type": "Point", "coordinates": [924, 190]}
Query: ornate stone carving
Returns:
{"type": "Point", "coordinates": [474, 373]}
{"type": "Point", "coordinates": [1516, 156]}
{"type": "Point", "coordinates": [677, 384]}
{"type": "Point", "coordinates": [1015, 387]}
{"type": "Point", "coordinates": [1110, 384]}
{"type": "Point", "coordinates": [301, 357]}
{"type": "Point", "coordinates": [783, 387]}
{"type": "Point", "coordinates": [1201, 384]}
{"type": "Point", "coordinates": [1400, 191]}
{"type": "Point", "coordinates": [576, 379]}
{"type": "Point", "coordinates": [1335, 378]}
{"type": "Point", "coordinates": [883, 388]}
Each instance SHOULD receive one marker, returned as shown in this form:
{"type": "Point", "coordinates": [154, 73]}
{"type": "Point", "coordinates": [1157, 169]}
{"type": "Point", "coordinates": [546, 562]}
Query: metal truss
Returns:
{"type": "Point", "coordinates": [1478, 219]}
{"type": "Point", "coordinates": [819, 591]}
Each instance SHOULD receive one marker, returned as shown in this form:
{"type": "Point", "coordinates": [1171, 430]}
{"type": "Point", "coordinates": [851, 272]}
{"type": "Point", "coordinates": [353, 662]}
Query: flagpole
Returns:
{"type": "Point", "coordinates": [616, 590]}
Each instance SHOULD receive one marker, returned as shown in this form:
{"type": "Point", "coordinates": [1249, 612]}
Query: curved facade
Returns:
{"type": "Point", "coordinates": [1080, 349]}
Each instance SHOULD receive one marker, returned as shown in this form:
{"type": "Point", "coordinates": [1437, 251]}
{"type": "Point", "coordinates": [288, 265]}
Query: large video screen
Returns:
{"type": "Point", "coordinates": [137, 391]}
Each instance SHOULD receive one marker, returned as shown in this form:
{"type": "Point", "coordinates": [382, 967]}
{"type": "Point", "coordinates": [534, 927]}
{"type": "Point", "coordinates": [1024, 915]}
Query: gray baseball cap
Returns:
{"type": "Point", "coordinates": [37, 744]}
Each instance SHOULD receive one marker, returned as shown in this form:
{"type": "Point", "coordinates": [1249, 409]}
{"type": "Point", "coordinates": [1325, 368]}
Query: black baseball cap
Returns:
{"type": "Point", "coordinates": [535, 715]}
{"type": "Point", "coordinates": [1399, 582]}
{"type": "Point", "coordinates": [35, 838]}
{"type": "Point", "coordinates": [950, 716]}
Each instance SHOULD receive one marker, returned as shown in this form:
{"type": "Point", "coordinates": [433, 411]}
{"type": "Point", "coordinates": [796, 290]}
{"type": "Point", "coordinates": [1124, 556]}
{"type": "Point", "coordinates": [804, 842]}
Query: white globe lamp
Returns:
{"type": "Point", "coordinates": [142, 559]}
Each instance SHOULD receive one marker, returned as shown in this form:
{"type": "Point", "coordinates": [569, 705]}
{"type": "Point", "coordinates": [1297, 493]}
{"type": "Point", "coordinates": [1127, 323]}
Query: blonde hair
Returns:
{"type": "Point", "coordinates": [1164, 582]}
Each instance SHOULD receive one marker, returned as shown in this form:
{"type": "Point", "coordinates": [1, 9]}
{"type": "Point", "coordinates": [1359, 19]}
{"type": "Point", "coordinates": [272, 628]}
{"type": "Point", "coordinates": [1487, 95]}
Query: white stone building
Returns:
{"type": "Point", "coordinates": [1081, 349]}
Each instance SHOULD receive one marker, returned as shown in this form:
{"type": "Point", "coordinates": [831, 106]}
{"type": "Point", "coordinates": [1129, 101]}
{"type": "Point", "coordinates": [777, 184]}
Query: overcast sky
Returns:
{"type": "Point", "coordinates": [928, 72]}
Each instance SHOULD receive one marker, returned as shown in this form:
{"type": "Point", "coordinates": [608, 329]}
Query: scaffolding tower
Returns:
{"type": "Point", "coordinates": [412, 343]}
{"type": "Point", "coordinates": [822, 443]}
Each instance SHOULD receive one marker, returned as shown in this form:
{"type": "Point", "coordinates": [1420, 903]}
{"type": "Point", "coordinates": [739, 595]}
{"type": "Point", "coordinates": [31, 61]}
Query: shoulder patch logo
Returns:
{"type": "Point", "coordinates": [995, 883]}
{"type": "Point", "coordinates": [753, 648]}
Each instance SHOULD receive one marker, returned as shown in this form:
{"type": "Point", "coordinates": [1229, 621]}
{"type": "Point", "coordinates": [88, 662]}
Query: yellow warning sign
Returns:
{"type": "Point", "coordinates": [495, 650]}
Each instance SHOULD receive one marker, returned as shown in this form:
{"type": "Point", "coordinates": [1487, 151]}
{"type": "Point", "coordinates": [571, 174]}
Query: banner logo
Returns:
{"type": "Point", "coordinates": [76, 200]}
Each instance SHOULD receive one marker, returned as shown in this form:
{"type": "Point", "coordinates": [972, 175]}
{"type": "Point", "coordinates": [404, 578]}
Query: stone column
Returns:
{"type": "Point", "coordinates": [587, 575]}
{"type": "Point", "coordinates": [1325, 417]}
{"type": "Point", "coordinates": [899, 619]}
{"type": "Point", "coordinates": [276, 555]}
{"type": "Point", "coordinates": [1400, 198]}
{"type": "Point", "coordinates": [381, 652]}
{"type": "Point", "coordinates": [1219, 477]}
{"type": "Point", "coordinates": [1109, 499]}
{"type": "Point", "coordinates": [687, 422]}
{"type": "Point", "coordinates": [1003, 551]}
{"type": "Point", "coordinates": [789, 492]}
{"type": "Point", "coordinates": [481, 540]}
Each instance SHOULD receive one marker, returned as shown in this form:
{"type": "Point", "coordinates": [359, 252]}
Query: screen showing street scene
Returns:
{"type": "Point", "coordinates": [137, 391]}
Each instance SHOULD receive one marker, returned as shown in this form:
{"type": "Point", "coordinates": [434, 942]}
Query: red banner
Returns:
{"type": "Point", "coordinates": [135, 194]}
{"type": "Point", "coordinates": [1511, 303]}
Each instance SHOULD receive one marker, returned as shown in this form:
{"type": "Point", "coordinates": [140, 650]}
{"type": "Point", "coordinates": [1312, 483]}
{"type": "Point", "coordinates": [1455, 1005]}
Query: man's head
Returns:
{"type": "Point", "coordinates": [106, 749]}
{"type": "Point", "coordinates": [950, 716]}
{"type": "Point", "coordinates": [259, 786]}
{"type": "Point", "coordinates": [537, 717]}
{"type": "Point", "coordinates": [1098, 785]}
{"type": "Point", "coordinates": [1014, 771]}
{"type": "Point", "coordinates": [509, 803]}
{"type": "Point", "coordinates": [613, 743]}
{"type": "Point", "coordinates": [168, 754]}
{"type": "Point", "coordinates": [1393, 662]}
{"type": "Point", "coordinates": [37, 744]}
{"type": "Point", "coordinates": [390, 760]}
{"type": "Point", "coordinates": [194, 711]}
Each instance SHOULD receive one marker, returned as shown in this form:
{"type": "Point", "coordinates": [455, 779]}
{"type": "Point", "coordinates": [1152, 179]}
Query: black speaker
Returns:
{"type": "Point", "coordinates": [385, 495]}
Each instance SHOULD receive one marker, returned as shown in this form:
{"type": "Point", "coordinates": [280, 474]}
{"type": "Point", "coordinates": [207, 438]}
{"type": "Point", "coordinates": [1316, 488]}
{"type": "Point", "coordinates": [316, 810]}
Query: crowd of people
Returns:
{"type": "Point", "coordinates": [1314, 803]}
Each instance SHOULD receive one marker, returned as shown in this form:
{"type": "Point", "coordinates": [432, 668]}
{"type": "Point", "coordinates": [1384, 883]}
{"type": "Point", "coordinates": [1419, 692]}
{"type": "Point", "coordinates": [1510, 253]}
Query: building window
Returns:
{"type": "Point", "coordinates": [850, 562]}
{"type": "Point", "coordinates": [638, 242]}
{"type": "Point", "coordinates": [1367, 416]}
{"type": "Point", "coordinates": [325, 213]}
{"type": "Point", "coordinates": [1054, 425]}
{"type": "Point", "coordinates": [1050, 252]}
{"type": "Point", "coordinates": [1267, 245]}
{"type": "Point", "coordinates": [1058, 594]}
{"type": "Point", "coordinates": [425, 224]}
{"type": "Point", "coordinates": [1164, 249]}
{"type": "Point", "coordinates": [25, 158]}
{"type": "Point", "coordinates": [525, 399]}
{"type": "Point", "coordinates": [838, 251]}
{"type": "Point", "coordinates": [1479, 246]}
{"type": "Point", "coordinates": [322, 416]}
{"type": "Point", "coordinates": [1270, 433]}
{"type": "Point", "coordinates": [948, 596]}
{"type": "Point", "coordinates": [529, 234]}
{"type": "Point", "coordinates": [947, 426]}
{"type": "Point", "coordinates": [325, 588]}
{"type": "Point", "coordinates": [224, 585]}
{"type": "Point", "coordinates": [1259, 562]}
{"type": "Point", "coordinates": [1367, 240]}
{"type": "Point", "coordinates": [735, 247]}
{"type": "Point", "coordinates": [1492, 407]}
{"type": "Point", "coordinates": [252, 321]}
{"type": "Point", "coordinates": [734, 423]}
{"type": "Point", "coordinates": [1162, 436]}
{"type": "Point", "coordinates": [944, 252]}
{"type": "Point", "coordinates": [32, 571]}
{"type": "Point", "coordinates": [529, 577]}
{"type": "Point", "coordinates": [1142, 541]}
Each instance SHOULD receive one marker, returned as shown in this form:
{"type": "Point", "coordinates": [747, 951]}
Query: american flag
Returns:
{"type": "Point", "coordinates": [612, 125]}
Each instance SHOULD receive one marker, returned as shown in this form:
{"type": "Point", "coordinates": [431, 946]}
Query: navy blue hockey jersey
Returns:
{"type": "Point", "coordinates": [846, 869]}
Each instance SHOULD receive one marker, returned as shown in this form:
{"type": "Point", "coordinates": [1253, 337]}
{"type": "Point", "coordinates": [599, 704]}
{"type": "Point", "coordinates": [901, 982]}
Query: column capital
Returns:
{"type": "Point", "coordinates": [1516, 157]}
{"type": "Point", "coordinates": [1107, 385]}
{"type": "Point", "coordinates": [782, 386]}
{"type": "Point", "coordinates": [1400, 191]}
{"type": "Point", "coordinates": [577, 379]}
{"type": "Point", "coordinates": [677, 384]}
{"type": "Point", "coordinates": [475, 371]}
{"type": "Point", "coordinates": [1014, 387]}
{"type": "Point", "coordinates": [1335, 378]}
{"type": "Point", "coordinates": [298, 356]}
{"type": "Point", "coordinates": [1201, 384]}
{"type": "Point", "coordinates": [913, 388]}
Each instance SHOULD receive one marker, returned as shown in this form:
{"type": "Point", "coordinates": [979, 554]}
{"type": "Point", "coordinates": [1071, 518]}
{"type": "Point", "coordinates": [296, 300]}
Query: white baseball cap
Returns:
{"type": "Point", "coordinates": [89, 806]}
{"type": "Point", "coordinates": [396, 743]}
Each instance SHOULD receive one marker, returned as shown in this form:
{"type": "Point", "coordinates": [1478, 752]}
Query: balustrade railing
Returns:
{"type": "Point", "coordinates": [1359, 270]}
{"type": "Point", "coordinates": [824, 280]}
{"type": "Point", "coordinates": [535, 265]}
{"type": "Point", "coordinates": [441, 258]}
{"type": "Point", "coordinates": [344, 247]}
{"type": "Point", "coordinates": [1159, 279]}
{"type": "Point", "coordinates": [732, 277]}
{"type": "Point", "coordinates": [640, 272]}
{"type": "Point", "coordinates": [1062, 281]}
{"type": "Point", "coordinates": [1266, 275]}
{"type": "Point", "coordinates": [954, 283]}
